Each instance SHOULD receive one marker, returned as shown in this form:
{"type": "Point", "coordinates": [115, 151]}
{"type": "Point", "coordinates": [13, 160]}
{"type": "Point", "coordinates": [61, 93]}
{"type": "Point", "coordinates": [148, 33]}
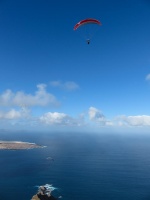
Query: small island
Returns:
{"type": "Point", "coordinates": [18, 145]}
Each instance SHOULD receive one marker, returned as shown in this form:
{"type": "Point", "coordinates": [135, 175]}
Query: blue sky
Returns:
{"type": "Point", "coordinates": [52, 80]}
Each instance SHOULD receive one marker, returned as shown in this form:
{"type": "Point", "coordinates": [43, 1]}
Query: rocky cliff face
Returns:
{"type": "Point", "coordinates": [35, 197]}
{"type": "Point", "coordinates": [43, 197]}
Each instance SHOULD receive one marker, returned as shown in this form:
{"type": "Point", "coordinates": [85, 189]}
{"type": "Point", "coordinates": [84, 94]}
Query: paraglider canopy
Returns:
{"type": "Point", "coordinates": [87, 30]}
{"type": "Point", "coordinates": [87, 21]}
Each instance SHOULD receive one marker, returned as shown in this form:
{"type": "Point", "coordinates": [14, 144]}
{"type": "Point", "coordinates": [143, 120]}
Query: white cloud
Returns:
{"type": "Point", "coordinates": [56, 118]}
{"type": "Point", "coordinates": [148, 77]}
{"type": "Point", "coordinates": [97, 116]}
{"type": "Point", "coordinates": [69, 85]}
{"type": "Point", "coordinates": [139, 120]}
{"type": "Point", "coordinates": [14, 114]}
{"type": "Point", "coordinates": [40, 98]}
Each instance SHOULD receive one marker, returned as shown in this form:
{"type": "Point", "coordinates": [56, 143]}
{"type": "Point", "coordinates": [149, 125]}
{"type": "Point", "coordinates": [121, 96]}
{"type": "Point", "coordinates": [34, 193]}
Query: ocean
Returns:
{"type": "Point", "coordinates": [86, 166]}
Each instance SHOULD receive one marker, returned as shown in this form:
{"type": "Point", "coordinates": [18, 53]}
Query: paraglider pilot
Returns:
{"type": "Point", "coordinates": [88, 41]}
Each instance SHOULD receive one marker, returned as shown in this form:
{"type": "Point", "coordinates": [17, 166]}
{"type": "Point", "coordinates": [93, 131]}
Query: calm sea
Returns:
{"type": "Point", "coordinates": [85, 166]}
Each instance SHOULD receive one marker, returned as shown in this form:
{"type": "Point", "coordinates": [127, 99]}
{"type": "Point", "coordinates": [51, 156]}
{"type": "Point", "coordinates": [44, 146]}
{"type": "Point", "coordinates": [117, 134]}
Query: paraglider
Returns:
{"type": "Point", "coordinates": [88, 41]}
{"type": "Point", "coordinates": [86, 22]}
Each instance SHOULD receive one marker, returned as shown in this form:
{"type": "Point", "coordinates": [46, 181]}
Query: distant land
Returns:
{"type": "Point", "coordinates": [17, 145]}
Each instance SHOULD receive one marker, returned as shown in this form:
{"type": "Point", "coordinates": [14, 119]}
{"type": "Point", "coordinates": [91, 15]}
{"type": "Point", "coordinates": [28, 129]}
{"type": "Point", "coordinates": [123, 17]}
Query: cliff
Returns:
{"type": "Point", "coordinates": [43, 197]}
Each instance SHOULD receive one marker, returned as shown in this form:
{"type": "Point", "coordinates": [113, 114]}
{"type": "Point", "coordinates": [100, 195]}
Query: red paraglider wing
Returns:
{"type": "Point", "coordinates": [87, 21]}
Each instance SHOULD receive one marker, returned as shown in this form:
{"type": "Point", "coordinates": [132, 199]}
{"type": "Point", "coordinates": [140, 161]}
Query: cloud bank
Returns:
{"type": "Point", "coordinates": [16, 108]}
{"type": "Point", "coordinates": [93, 118]}
{"type": "Point", "coordinates": [139, 120]}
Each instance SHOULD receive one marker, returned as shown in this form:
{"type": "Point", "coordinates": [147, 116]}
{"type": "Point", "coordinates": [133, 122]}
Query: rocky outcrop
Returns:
{"type": "Point", "coordinates": [43, 197]}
